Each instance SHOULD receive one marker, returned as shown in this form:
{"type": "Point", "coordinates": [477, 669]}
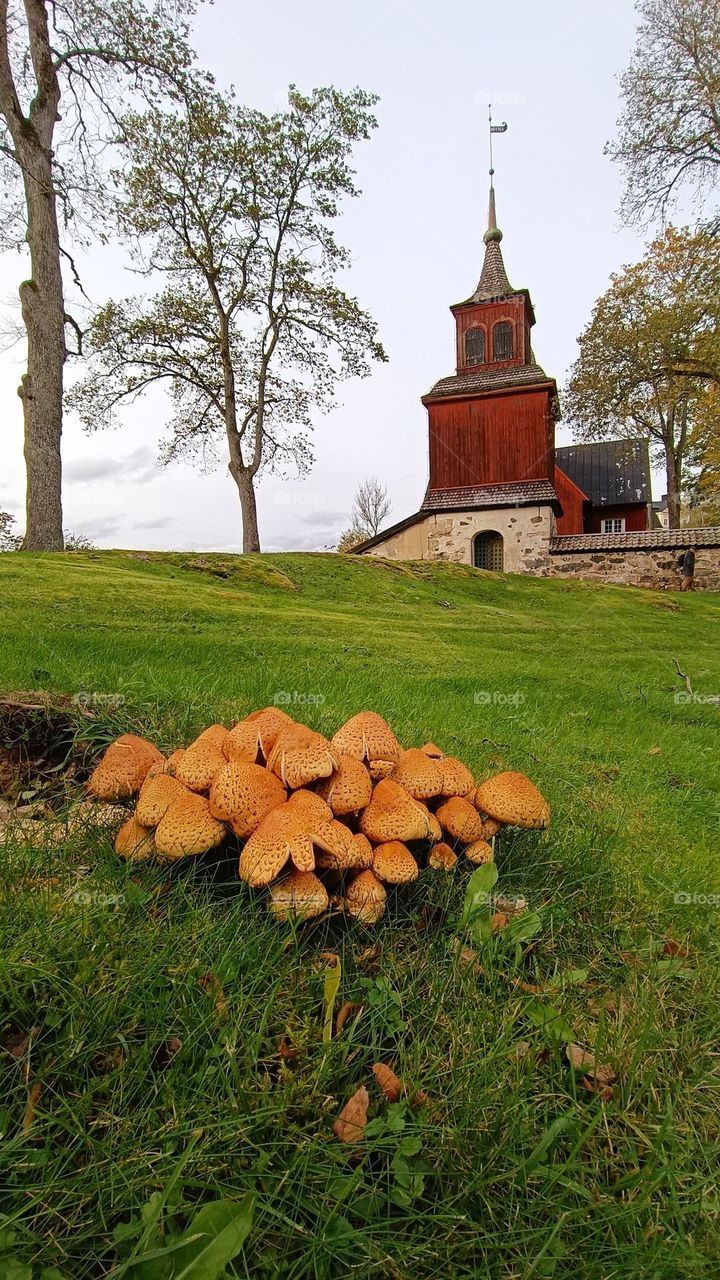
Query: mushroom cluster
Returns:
{"type": "Point", "coordinates": [318, 820]}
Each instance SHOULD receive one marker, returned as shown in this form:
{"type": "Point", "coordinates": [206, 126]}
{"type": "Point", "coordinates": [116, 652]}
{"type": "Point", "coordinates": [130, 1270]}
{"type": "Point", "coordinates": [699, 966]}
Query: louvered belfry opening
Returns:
{"type": "Point", "coordinates": [475, 347]}
{"type": "Point", "coordinates": [488, 551]}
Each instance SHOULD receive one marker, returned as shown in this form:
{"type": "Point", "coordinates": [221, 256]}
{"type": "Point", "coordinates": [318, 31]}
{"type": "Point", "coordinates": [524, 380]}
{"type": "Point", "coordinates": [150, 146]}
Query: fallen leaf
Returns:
{"type": "Point", "coordinates": [593, 1085]}
{"type": "Point", "coordinates": [520, 1050]}
{"type": "Point", "coordinates": [16, 1042]}
{"type": "Point", "coordinates": [368, 955]}
{"type": "Point", "coordinates": [498, 921]}
{"type": "Point", "coordinates": [419, 1098]}
{"type": "Point", "coordinates": [597, 1077]}
{"type": "Point", "coordinates": [30, 1105]}
{"type": "Point", "coordinates": [580, 1059]}
{"type": "Point", "coordinates": [350, 1124]}
{"type": "Point", "coordinates": [674, 948]}
{"type": "Point", "coordinates": [390, 1084]}
{"type": "Point", "coordinates": [331, 986]}
{"type": "Point", "coordinates": [168, 1050]}
{"type": "Point", "coordinates": [286, 1050]}
{"type": "Point", "coordinates": [211, 983]}
{"type": "Point", "coordinates": [347, 1010]}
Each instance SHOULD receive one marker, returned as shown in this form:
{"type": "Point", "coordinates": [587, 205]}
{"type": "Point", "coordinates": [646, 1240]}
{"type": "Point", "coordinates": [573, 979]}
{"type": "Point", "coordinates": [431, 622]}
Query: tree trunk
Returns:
{"type": "Point", "coordinates": [245, 482]}
{"type": "Point", "coordinates": [41, 389]}
{"type": "Point", "coordinates": [673, 486]}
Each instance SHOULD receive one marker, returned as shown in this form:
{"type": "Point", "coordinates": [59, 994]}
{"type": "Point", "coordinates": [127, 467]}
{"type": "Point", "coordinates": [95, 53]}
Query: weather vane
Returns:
{"type": "Point", "coordinates": [494, 128]}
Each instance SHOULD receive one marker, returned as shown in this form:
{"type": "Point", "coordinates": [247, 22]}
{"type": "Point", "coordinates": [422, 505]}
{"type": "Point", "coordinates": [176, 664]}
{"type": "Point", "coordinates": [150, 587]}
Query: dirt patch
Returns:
{"type": "Point", "coordinates": [41, 748]}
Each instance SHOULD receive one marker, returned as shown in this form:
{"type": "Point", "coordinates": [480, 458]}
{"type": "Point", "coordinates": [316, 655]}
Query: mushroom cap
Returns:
{"type": "Point", "coordinates": [394, 863]}
{"type": "Point", "coordinates": [379, 769]}
{"type": "Point", "coordinates": [242, 794]}
{"type": "Point", "coordinates": [134, 841]}
{"type": "Point", "coordinates": [431, 750]}
{"type": "Point", "coordinates": [434, 829]}
{"type": "Point", "coordinates": [200, 764]}
{"type": "Point", "coordinates": [460, 820]}
{"type": "Point", "coordinates": [156, 795]}
{"type": "Point", "coordinates": [300, 756]}
{"type": "Point", "coordinates": [365, 898]}
{"type": "Point", "coordinates": [173, 760]}
{"type": "Point", "coordinates": [348, 788]}
{"type": "Point", "coordinates": [367, 737]}
{"type": "Point", "coordinates": [392, 814]}
{"type": "Point", "coordinates": [479, 851]}
{"type": "Point", "coordinates": [300, 894]}
{"type": "Point", "coordinates": [311, 806]}
{"type": "Point", "coordinates": [256, 735]}
{"type": "Point", "coordinates": [281, 835]}
{"type": "Point", "coordinates": [491, 826]}
{"type": "Point", "coordinates": [442, 857]}
{"type": "Point", "coordinates": [350, 853]}
{"type": "Point", "coordinates": [418, 774]}
{"type": "Point", "coordinates": [457, 779]}
{"type": "Point", "coordinates": [123, 768]}
{"type": "Point", "coordinates": [188, 828]}
{"type": "Point", "coordinates": [513, 799]}
{"type": "Point", "coordinates": [215, 733]}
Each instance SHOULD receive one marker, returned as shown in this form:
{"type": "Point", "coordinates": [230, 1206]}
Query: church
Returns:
{"type": "Point", "coordinates": [500, 494]}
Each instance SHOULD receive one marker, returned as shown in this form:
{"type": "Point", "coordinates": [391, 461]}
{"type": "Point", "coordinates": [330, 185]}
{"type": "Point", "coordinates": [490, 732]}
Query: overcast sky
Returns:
{"type": "Point", "coordinates": [550, 69]}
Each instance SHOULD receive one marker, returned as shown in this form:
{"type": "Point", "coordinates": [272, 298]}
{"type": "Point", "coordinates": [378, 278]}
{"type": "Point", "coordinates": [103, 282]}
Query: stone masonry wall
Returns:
{"type": "Point", "coordinates": [652, 568]}
{"type": "Point", "coordinates": [526, 535]}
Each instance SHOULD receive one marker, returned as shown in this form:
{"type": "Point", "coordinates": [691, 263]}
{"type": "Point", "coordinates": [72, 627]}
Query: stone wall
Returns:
{"type": "Point", "coordinates": [526, 533]}
{"type": "Point", "coordinates": [656, 568]}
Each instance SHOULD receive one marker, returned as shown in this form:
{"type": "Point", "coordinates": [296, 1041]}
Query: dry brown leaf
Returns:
{"type": "Point", "coordinates": [593, 1085]}
{"type": "Point", "coordinates": [345, 1012]}
{"type": "Point", "coordinates": [391, 1085]}
{"type": "Point", "coordinates": [32, 1101]}
{"type": "Point", "coordinates": [419, 1098]}
{"type": "Point", "coordinates": [16, 1042]}
{"type": "Point", "coordinates": [498, 921]}
{"type": "Point", "coordinates": [597, 1077]}
{"type": "Point", "coordinates": [329, 959]}
{"type": "Point", "coordinates": [287, 1050]}
{"type": "Point", "coordinates": [350, 1124]}
{"type": "Point", "coordinates": [211, 983]}
{"type": "Point", "coordinates": [368, 955]}
{"type": "Point", "coordinates": [674, 948]}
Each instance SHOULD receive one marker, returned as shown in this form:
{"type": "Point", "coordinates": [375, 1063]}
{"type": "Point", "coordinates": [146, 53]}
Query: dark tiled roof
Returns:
{"type": "Point", "coordinates": [647, 540]}
{"type": "Point", "coordinates": [612, 473]}
{"type": "Point", "coordinates": [460, 384]}
{"type": "Point", "coordinates": [476, 497]}
{"type": "Point", "coordinates": [493, 282]}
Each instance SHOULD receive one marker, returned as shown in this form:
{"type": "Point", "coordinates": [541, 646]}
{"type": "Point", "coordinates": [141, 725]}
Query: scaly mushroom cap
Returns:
{"type": "Point", "coordinates": [367, 737]}
{"type": "Point", "coordinates": [173, 761]}
{"type": "Point", "coordinates": [301, 895]}
{"type": "Point", "coordinates": [300, 756]}
{"type": "Point", "coordinates": [243, 794]}
{"type": "Point", "coordinates": [394, 863]}
{"type": "Point", "coordinates": [156, 795]}
{"type": "Point", "coordinates": [256, 735]}
{"type": "Point", "coordinates": [365, 898]}
{"type": "Point", "coordinates": [393, 815]}
{"type": "Point", "coordinates": [123, 768]}
{"type": "Point", "coordinates": [513, 799]}
{"type": "Point", "coordinates": [431, 750]}
{"type": "Point", "coordinates": [134, 841]}
{"type": "Point", "coordinates": [216, 733]}
{"type": "Point", "coordinates": [311, 806]}
{"type": "Point", "coordinates": [348, 788]}
{"type": "Point", "coordinates": [457, 780]}
{"type": "Point", "coordinates": [188, 828]}
{"type": "Point", "coordinates": [479, 851]}
{"type": "Point", "coordinates": [379, 769]}
{"type": "Point", "coordinates": [418, 774]}
{"type": "Point", "coordinates": [442, 858]}
{"type": "Point", "coordinates": [460, 820]}
{"type": "Point", "coordinates": [434, 829]}
{"type": "Point", "coordinates": [356, 854]}
{"type": "Point", "coordinates": [282, 835]}
{"type": "Point", "coordinates": [200, 764]}
{"type": "Point", "coordinates": [491, 826]}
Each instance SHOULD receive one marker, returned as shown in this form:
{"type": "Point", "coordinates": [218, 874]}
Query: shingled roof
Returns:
{"type": "Point", "coordinates": [479, 496]}
{"type": "Point", "coordinates": [493, 282]}
{"type": "Point", "coordinates": [611, 473]}
{"type": "Point", "coordinates": [645, 540]}
{"type": "Point", "coordinates": [461, 384]}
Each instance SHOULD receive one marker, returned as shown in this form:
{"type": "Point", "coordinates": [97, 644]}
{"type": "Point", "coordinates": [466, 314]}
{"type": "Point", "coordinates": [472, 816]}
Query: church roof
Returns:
{"type": "Point", "coordinates": [610, 473]}
{"type": "Point", "coordinates": [642, 540]}
{"type": "Point", "coordinates": [477, 497]}
{"type": "Point", "coordinates": [460, 384]}
{"type": "Point", "coordinates": [493, 282]}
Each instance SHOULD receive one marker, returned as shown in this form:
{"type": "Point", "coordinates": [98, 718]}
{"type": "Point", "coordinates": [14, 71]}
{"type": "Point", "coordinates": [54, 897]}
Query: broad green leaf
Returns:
{"type": "Point", "coordinates": [214, 1237]}
{"type": "Point", "coordinates": [333, 974]}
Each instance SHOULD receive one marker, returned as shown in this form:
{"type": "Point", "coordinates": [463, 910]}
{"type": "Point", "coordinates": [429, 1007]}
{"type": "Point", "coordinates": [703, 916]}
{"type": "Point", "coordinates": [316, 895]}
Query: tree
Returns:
{"type": "Point", "coordinates": [650, 351]}
{"type": "Point", "coordinates": [251, 331]}
{"type": "Point", "coordinates": [371, 507]}
{"type": "Point", "coordinates": [9, 541]}
{"type": "Point", "coordinates": [703, 490]}
{"type": "Point", "coordinates": [61, 67]}
{"type": "Point", "coordinates": [669, 131]}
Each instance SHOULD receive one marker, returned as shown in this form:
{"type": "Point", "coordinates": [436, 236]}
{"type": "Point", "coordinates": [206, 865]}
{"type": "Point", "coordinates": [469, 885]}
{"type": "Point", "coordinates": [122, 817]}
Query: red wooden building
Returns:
{"type": "Point", "coordinates": [498, 488]}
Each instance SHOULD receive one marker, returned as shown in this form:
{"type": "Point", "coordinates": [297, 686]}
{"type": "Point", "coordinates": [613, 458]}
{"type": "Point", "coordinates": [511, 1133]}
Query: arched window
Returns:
{"type": "Point", "coordinates": [475, 346]}
{"type": "Point", "coordinates": [488, 551]}
{"type": "Point", "coordinates": [503, 341]}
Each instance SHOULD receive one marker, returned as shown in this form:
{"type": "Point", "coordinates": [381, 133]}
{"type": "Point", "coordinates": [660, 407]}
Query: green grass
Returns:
{"type": "Point", "coordinates": [512, 1169]}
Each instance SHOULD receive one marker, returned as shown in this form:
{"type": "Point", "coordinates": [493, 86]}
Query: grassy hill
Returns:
{"type": "Point", "coordinates": [512, 1169]}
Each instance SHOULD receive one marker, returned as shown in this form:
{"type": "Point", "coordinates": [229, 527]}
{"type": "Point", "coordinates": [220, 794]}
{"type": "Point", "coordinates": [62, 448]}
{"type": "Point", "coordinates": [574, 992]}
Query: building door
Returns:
{"type": "Point", "coordinates": [488, 551]}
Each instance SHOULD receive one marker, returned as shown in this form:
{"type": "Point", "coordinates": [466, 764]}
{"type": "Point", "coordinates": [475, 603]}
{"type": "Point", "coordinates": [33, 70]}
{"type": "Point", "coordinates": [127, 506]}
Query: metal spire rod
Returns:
{"type": "Point", "coordinates": [494, 128]}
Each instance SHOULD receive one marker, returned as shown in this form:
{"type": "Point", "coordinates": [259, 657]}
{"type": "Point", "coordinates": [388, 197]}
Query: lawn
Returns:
{"type": "Point", "coordinates": [111, 1141]}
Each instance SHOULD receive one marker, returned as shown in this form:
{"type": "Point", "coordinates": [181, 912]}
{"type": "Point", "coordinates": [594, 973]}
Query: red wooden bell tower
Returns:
{"type": "Point", "coordinates": [492, 423]}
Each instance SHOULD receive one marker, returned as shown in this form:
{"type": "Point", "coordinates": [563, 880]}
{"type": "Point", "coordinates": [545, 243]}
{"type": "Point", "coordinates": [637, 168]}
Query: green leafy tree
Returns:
{"type": "Point", "coordinates": [669, 132]}
{"type": "Point", "coordinates": [649, 353]}
{"type": "Point", "coordinates": [251, 331]}
{"type": "Point", "coordinates": [64, 65]}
